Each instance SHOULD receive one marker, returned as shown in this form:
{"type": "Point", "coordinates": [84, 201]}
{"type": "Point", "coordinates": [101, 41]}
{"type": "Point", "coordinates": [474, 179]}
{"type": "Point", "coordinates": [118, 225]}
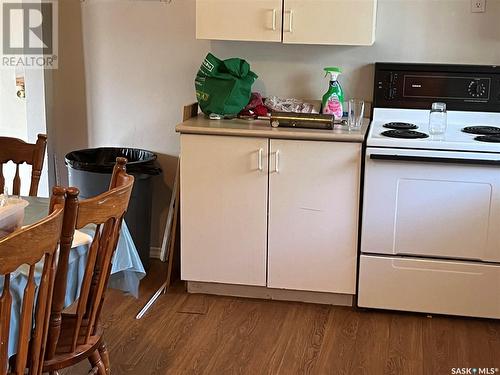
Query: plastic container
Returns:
{"type": "Point", "coordinates": [12, 216]}
{"type": "Point", "coordinates": [90, 171]}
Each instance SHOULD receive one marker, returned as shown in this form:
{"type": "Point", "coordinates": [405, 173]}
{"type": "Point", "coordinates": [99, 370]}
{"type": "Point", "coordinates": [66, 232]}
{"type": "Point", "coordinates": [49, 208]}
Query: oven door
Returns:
{"type": "Point", "coordinates": [432, 203]}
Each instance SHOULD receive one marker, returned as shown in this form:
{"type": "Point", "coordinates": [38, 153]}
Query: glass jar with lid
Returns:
{"type": "Point", "coordinates": [438, 119]}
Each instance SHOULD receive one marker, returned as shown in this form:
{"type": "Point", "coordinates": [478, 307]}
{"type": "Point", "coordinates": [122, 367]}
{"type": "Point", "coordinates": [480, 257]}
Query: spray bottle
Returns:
{"type": "Point", "coordinates": [333, 100]}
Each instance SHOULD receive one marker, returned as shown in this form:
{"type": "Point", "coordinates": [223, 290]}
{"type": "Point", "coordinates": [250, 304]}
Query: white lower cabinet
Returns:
{"type": "Point", "coordinates": [313, 215]}
{"type": "Point", "coordinates": [275, 213]}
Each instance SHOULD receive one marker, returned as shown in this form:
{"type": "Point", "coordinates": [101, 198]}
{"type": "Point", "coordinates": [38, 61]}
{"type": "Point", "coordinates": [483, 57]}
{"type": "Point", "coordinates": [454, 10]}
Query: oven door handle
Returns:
{"type": "Point", "coordinates": [433, 159]}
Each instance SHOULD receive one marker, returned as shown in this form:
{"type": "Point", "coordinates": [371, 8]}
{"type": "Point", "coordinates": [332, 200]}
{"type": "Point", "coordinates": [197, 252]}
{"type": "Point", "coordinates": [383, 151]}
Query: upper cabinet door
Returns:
{"type": "Point", "coordinates": [250, 20]}
{"type": "Point", "coordinates": [344, 22]}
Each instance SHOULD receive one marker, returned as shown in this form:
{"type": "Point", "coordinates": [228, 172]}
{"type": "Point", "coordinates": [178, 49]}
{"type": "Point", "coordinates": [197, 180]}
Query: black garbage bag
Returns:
{"type": "Point", "coordinates": [90, 171]}
{"type": "Point", "coordinates": [103, 159]}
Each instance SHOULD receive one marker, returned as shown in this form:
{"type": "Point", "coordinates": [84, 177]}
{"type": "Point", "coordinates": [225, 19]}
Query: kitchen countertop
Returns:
{"type": "Point", "coordinates": [261, 128]}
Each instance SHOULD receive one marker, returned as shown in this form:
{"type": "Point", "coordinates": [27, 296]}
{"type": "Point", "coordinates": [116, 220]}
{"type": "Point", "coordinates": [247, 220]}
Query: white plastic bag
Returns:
{"type": "Point", "coordinates": [11, 215]}
{"type": "Point", "coordinates": [277, 104]}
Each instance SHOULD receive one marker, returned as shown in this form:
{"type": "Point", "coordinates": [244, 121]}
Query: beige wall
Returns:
{"type": "Point", "coordinates": [141, 58]}
{"type": "Point", "coordinates": [65, 91]}
{"type": "Point", "coordinates": [407, 30]}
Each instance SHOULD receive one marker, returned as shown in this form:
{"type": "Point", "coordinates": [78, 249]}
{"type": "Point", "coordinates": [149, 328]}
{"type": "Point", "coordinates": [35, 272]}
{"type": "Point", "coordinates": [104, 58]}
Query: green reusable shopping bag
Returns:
{"type": "Point", "coordinates": [224, 87]}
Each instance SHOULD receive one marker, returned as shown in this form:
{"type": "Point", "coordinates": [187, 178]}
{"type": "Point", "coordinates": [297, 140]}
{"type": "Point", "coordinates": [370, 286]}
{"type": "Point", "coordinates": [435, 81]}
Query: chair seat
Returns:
{"type": "Point", "coordinates": [64, 356]}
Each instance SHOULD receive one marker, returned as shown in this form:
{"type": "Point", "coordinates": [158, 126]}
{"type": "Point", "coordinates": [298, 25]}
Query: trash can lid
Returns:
{"type": "Point", "coordinates": [103, 159]}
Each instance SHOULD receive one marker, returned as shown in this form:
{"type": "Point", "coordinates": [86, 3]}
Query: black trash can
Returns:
{"type": "Point", "coordinates": [90, 171]}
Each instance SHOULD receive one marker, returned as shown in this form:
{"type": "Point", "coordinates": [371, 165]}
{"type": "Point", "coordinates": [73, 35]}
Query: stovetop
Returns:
{"type": "Point", "coordinates": [454, 139]}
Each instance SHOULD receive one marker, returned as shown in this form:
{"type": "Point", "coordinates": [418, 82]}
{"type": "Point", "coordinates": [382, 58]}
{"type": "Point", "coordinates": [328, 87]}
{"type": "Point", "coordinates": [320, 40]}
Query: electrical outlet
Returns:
{"type": "Point", "coordinates": [478, 6]}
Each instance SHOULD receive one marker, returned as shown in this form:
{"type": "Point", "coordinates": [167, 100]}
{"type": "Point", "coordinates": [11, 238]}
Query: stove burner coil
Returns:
{"type": "Point", "coordinates": [400, 126]}
{"type": "Point", "coordinates": [482, 130]}
{"type": "Point", "coordinates": [409, 134]}
{"type": "Point", "coordinates": [489, 138]}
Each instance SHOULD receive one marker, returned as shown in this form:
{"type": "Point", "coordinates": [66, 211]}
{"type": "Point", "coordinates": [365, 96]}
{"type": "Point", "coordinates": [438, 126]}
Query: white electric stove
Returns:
{"type": "Point", "coordinates": [430, 239]}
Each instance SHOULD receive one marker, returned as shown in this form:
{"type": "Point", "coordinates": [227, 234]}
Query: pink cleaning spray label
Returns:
{"type": "Point", "coordinates": [334, 107]}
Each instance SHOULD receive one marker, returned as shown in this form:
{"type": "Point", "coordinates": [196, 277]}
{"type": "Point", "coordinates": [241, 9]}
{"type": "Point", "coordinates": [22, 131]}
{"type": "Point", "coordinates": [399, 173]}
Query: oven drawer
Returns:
{"type": "Point", "coordinates": [429, 286]}
{"type": "Point", "coordinates": [438, 204]}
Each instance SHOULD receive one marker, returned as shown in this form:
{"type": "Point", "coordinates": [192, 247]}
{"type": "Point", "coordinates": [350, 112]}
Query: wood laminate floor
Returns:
{"type": "Point", "coordinates": [197, 334]}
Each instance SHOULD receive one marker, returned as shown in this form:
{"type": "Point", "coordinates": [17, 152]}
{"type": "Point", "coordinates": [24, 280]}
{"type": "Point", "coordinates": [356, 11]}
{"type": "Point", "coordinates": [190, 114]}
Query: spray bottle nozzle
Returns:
{"type": "Point", "coordinates": [333, 71]}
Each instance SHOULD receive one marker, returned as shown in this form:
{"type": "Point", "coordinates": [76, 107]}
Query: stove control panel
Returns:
{"type": "Point", "coordinates": [461, 87]}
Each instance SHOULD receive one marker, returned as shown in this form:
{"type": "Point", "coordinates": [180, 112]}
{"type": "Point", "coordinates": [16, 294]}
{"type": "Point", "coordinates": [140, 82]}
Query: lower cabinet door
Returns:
{"type": "Point", "coordinates": [224, 209]}
{"type": "Point", "coordinates": [313, 215]}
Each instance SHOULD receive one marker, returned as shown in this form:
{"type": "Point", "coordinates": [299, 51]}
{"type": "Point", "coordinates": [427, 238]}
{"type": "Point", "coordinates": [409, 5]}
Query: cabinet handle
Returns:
{"type": "Point", "coordinates": [274, 19]}
{"type": "Point", "coordinates": [277, 162]}
{"type": "Point", "coordinates": [290, 21]}
{"type": "Point", "coordinates": [260, 159]}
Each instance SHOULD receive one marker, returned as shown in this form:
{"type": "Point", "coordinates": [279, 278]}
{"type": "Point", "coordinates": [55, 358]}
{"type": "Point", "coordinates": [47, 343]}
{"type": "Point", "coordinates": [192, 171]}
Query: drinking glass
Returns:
{"type": "Point", "coordinates": [438, 119]}
{"type": "Point", "coordinates": [356, 111]}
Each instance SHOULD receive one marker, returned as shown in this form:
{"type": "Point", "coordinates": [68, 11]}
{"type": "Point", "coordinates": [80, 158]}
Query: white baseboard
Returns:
{"type": "Point", "coordinates": [154, 252]}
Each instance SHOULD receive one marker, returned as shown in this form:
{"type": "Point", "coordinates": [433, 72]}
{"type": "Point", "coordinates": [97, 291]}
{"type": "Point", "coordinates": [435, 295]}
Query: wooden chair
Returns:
{"type": "Point", "coordinates": [75, 333]}
{"type": "Point", "coordinates": [19, 152]}
{"type": "Point", "coordinates": [27, 247]}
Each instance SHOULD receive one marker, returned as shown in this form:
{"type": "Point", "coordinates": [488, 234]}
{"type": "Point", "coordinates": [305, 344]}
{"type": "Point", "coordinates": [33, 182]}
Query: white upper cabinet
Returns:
{"type": "Point", "coordinates": [248, 20]}
{"type": "Point", "coordinates": [342, 22]}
